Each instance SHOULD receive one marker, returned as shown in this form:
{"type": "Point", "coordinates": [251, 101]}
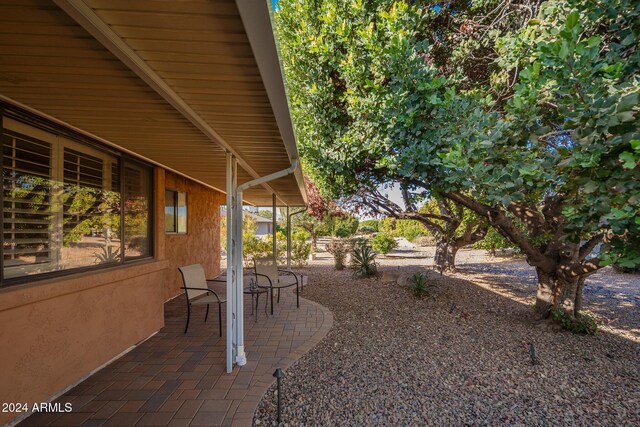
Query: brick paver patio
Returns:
{"type": "Point", "coordinates": [173, 379]}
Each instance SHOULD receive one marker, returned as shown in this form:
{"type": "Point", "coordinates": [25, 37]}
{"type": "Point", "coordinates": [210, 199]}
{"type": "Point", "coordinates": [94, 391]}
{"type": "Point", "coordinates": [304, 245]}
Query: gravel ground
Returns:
{"type": "Point", "coordinates": [462, 356]}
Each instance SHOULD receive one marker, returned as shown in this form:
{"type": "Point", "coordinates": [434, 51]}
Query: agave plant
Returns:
{"type": "Point", "coordinates": [363, 261]}
{"type": "Point", "coordinates": [107, 254]}
{"type": "Point", "coordinates": [420, 285]}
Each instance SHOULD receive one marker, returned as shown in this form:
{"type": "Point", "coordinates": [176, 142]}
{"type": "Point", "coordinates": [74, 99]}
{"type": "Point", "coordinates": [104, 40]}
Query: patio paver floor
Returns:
{"type": "Point", "coordinates": [177, 379]}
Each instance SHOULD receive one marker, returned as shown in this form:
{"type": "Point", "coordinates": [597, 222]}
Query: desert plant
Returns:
{"type": "Point", "coordinates": [372, 224]}
{"type": "Point", "coordinates": [363, 261]}
{"type": "Point", "coordinates": [107, 254]}
{"type": "Point", "coordinates": [300, 249]}
{"type": "Point", "coordinates": [339, 248]}
{"type": "Point", "coordinates": [366, 229]}
{"type": "Point", "coordinates": [383, 243]}
{"type": "Point", "coordinates": [420, 285]}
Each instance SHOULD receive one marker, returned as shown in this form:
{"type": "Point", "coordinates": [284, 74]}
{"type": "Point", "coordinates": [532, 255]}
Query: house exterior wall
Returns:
{"type": "Point", "coordinates": [201, 243]}
{"type": "Point", "coordinates": [55, 332]}
{"type": "Point", "coordinates": [263, 229]}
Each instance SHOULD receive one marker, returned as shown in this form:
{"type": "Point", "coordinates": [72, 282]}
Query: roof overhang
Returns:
{"type": "Point", "coordinates": [177, 83]}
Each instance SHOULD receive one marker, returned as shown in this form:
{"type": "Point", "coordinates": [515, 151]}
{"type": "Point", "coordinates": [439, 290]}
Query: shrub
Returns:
{"type": "Point", "coordinates": [493, 242]}
{"type": "Point", "coordinates": [300, 251]}
{"type": "Point", "coordinates": [383, 243]}
{"type": "Point", "coordinates": [366, 229]}
{"type": "Point", "coordinates": [420, 285]}
{"type": "Point", "coordinates": [387, 225]}
{"type": "Point", "coordinates": [363, 261]}
{"type": "Point", "coordinates": [409, 229]}
{"type": "Point", "coordinates": [424, 241]}
{"type": "Point", "coordinates": [339, 248]}
{"type": "Point", "coordinates": [583, 323]}
{"type": "Point", "coordinates": [370, 224]}
{"type": "Point", "coordinates": [342, 232]}
{"type": "Point", "coordinates": [345, 226]}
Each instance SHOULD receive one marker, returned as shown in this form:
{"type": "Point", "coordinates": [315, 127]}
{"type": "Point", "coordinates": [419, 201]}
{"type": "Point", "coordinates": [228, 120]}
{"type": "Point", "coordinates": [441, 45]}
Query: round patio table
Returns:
{"type": "Point", "coordinates": [255, 292]}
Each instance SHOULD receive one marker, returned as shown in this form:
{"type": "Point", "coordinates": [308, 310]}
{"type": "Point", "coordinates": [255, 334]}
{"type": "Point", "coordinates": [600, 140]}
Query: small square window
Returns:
{"type": "Point", "coordinates": [175, 212]}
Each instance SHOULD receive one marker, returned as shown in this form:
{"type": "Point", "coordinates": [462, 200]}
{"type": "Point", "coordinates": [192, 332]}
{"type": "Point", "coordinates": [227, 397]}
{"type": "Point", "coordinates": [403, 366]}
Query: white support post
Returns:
{"type": "Point", "coordinates": [288, 239]}
{"type": "Point", "coordinates": [238, 279]}
{"type": "Point", "coordinates": [274, 227]}
{"type": "Point", "coordinates": [231, 252]}
{"type": "Point", "coordinates": [241, 358]}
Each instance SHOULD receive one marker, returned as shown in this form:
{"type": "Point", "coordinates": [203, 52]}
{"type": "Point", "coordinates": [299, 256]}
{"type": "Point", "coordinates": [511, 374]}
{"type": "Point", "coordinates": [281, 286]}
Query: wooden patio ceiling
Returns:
{"type": "Point", "coordinates": [56, 58]}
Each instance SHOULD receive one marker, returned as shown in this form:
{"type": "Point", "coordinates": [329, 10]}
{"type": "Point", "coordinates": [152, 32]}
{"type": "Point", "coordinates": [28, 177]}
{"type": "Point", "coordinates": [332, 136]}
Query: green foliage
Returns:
{"type": "Point", "coordinates": [388, 225]}
{"type": "Point", "coordinates": [583, 323]}
{"type": "Point", "coordinates": [371, 224]}
{"type": "Point", "coordinates": [420, 285]}
{"type": "Point", "coordinates": [339, 248]}
{"type": "Point", "coordinates": [409, 229]}
{"type": "Point", "coordinates": [424, 241]}
{"type": "Point", "coordinates": [345, 226]}
{"type": "Point", "coordinates": [363, 261]}
{"type": "Point", "coordinates": [300, 249]}
{"type": "Point", "coordinates": [383, 243]}
{"type": "Point", "coordinates": [493, 242]}
{"type": "Point", "coordinates": [552, 109]}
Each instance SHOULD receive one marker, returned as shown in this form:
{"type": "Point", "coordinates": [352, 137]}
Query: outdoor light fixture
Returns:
{"type": "Point", "coordinates": [278, 374]}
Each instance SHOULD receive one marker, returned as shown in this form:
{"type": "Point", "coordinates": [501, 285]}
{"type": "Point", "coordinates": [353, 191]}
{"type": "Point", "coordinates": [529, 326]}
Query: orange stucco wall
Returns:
{"type": "Point", "coordinates": [201, 243]}
{"type": "Point", "coordinates": [54, 332]}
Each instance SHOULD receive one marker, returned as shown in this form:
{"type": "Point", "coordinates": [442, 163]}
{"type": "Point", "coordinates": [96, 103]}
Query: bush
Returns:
{"type": "Point", "coordinates": [584, 323]}
{"type": "Point", "coordinates": [363, 261]}
{"type": "Point", "coordinates": [387, 225]}
{"type": "Point", "coordinates": [345, 226]}
{"type": "Point", "coordinates": [383, 243]}
{"type": "Point", "coordinates": [420, 285]}
{"type": "Point", "coordinates": [342, 232]}
{"type": "Point", "coordinates": [370, 224]}
{"type": "Point", "coordinates": [366, 229]}
{"type": "Point", "coordinates": [300, 249]}
{"type": "Point", "coordinates": [339, 248]}
{"type": "Point", "coordinates": [424, 241]}
{"type": "Point", "coordinates": [409, 229]}
{"type": "Point", "coordinates": [493, 242]}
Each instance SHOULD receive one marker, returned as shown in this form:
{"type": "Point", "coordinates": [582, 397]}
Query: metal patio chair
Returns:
{"type": "Point", "coordinates": [268, 275]}
{"type": "Point", "coordinates": [197, 292]}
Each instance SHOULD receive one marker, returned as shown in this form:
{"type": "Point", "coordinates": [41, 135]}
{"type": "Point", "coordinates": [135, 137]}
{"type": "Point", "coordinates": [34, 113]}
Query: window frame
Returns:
{"type": "Point", "coordinates": [176, 206]}
{"type": "Point", "coordinates": [74, 140]}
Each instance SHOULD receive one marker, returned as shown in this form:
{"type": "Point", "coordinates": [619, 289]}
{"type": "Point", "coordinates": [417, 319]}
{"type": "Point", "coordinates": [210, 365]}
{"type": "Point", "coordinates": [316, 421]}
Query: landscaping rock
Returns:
{"type": "Point", "coordinates": [394, 360]}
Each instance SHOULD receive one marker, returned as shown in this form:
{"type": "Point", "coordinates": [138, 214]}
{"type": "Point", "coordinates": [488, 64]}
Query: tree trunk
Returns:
{"type": "Point", "coordinates": [557, 292]}
{"type": "Point", "coordinates": [579, 295]}
{"type": "Point", "coordinates": [545, 294]}
{"type": "Point", "coordinates": [445, 258]}
{"type": "Point", "coordinates": [567, 289]}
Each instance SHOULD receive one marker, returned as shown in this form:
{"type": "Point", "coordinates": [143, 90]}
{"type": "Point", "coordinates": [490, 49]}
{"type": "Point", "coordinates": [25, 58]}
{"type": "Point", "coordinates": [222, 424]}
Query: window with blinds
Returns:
{"type": "Point", "coordinates": [28, 216]}
{"type": "Point", "coordinates": [62, 203]}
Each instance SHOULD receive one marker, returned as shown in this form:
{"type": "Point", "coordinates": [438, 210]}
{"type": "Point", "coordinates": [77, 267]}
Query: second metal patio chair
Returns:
{"type": "Point", "coordinates": [269, 276]}
{"type": "Point", "coordinates": [197, 291]}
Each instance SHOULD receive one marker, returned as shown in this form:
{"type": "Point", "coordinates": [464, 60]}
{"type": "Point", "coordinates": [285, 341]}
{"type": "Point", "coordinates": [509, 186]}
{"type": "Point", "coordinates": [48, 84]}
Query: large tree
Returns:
{"type": "Point", "coordinates": [544, 145]}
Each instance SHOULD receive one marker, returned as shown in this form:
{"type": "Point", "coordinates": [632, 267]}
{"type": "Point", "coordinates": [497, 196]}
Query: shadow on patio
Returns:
{"type": "Point", "coordinates": [177, 379]}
